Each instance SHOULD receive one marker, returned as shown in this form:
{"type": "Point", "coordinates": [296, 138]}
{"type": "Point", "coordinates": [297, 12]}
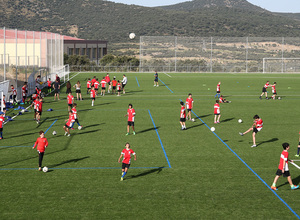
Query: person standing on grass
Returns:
{"type": "Point", "coordinates": [131, 115]}
{"type": "Point", "coordinates": [264, 90]}
{"type": "Point", "coordinates": [88, 86]}
{"type": "Point", "coordinates": [189, 103]}
{"type": "Point", "coordinates": [274, 90]}
{"type": "Point", "coordinates": [93, 81]}
{"type": "Point", "coordinates": [41, 144]}
{"type": "Point", "coordinates": [124, 83]}
{"type": "Point", "coordinates": [49, 85]}
{"type": "Point", "coordinates": [56, 87]}
{"type": "Point", "coordinates": [114, 85]}
{"type": "Point", "coordinates": [96, 86]}
{"type": "Point", "coordinates": [69, 87]}
{"type": "Point", "coordinates": [298, 149]}
{"type": "Point", "coordinates": [218, 90]}
{"type": "Point", "coordinates": [107, 79]}
{"type": "Point", "coordinates": [126, 154]}
{"type": "Point", "coordinates": [119, 88]}
{"type": "Point", "coordinates": [13, 96]}
{"type": "Point", "coordinates": [93, 95]}
{"type": "Point", "coordinates": [283, 168]}
{"type": "Point", "coordinates": [182, 116]}
{"type": "Point", "coordinates": [24, 92]}
{"type": "Point", "coordinates": [1, 124]}
{"type": "Point", "coordinates": [256, 127]}
{"type": "Point", "coordinates": [39, 109]}
{"type": "Point", "coordinates": [70, 100]}
{"type": "Point", "coordinates": [103, 86]}
{"type": "Point", "coordinates": [217, 112]}
{"type": "Point", "coordinates": [77, 86]}
{"type": "Point", "coordinates": [156, 79]}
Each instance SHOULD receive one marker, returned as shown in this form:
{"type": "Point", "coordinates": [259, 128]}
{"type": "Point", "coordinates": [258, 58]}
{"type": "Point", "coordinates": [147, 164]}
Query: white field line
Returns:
{"type": "Point", "coordinates": [167, 75]}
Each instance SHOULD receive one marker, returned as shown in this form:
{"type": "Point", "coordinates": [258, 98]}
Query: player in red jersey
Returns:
{"type": "Point", "coordinates": [49, 85]}
{"type": "Point", "coordinates": [217, 112]}
{"type": "Point", "coordinates": [126, 154]}
{"type": "Point", "coordinates": [283, 168]}
{"type": "Point", "coordinates": [24, 92]}
{"type": "Point", "coordinates": [69, 123]}
{"type": "Point", "coordinates": [189, 103]}
{"type": "Point", "coordinates": [256, 127]}
{"type": "Point", "coordinates": [131, 115]}
{"type": "Point", "coordinates": [119, 88]}
{"type": "Point", "coordinates": [34, 104]}
{"type": "Point", "coordinates": [41, 144]}
{"type": "Point", "coordinates": [107, 79]}
{"type": "Point", "coordinates": [96, 86]}
{"type": "Point", "coordinates": [74, 112]}
{"type": "Point", "coordinates": [103, 86]}
{"type": "Point", "coordinates": [182, 116]}
{"type": "Point", "coordinates": [218, 90]}
{"type": "Point", "coordinates": [274, 90]}
{"type": "Point", "coordinates": [223, 100]}
{"type": "Point", "coordinates": [93, 95]}
{"type": "Point", "coordinates": [93, 81]}
{"type": "Point", "coordinates": [264, 90]}
{"type": "Point", "coordinates": [88, 86]}
{"type": "Point", "coordinates": [114, 85]}
{"type": "Point", "coordinates": [1, 124]}
{"type": "Point", "coordinates": [13, 95]}
{"type": "Point", "coordinates": [39, 109]}
{"type": "Point", "coordinates": [70, 100]}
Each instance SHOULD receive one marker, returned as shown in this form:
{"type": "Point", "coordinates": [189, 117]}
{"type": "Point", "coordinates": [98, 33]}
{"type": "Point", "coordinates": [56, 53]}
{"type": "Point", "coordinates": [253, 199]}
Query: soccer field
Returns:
{"type": "Point", "coordinates": [178, 174]}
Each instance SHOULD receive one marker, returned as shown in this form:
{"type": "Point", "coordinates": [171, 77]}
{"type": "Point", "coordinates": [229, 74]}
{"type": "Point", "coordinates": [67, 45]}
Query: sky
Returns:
{"type": "Point", "coordinates": [271, 5]}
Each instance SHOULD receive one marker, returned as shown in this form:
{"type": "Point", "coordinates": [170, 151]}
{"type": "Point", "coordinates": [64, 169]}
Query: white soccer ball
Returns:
{"type": "Point", "coordinates": [79, 127]}
{"type": "Point", "coordinates": [23, 110]}
{"type": "Point", "coordinates": [45, 169]}
{"type": "Point", "coordinates": [132, 36]}
{"type": "Point", "coordinates": [193, 119]}
{"type": "Point", "coordinates": [212, 129]}
{"type": "Point", "coordinates": [279, 97]}
{"type": "Point", "coordinates": [54, 132]}
{"type": "Point", "coordinates": [240, 120]}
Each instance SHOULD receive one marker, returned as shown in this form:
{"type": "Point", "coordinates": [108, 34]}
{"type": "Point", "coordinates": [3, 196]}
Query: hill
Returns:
{"type": "Point", "coordinates": [105, 20]}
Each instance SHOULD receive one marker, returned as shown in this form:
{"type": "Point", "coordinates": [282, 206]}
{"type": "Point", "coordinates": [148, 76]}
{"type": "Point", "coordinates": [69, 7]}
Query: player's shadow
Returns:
{"type": "Point", "coordinates": [87, 132]}
{"type": "Point", "coordinates": [94, 125]}
{"type": "Point", "coordinates": [194, 126]}
{"type": "Point", "coordinates": [69, 161]}
{"type": "Point", "coordinates": [42, 122]}
{"type": "Point", "coordinates": [268, 141]}
{"type": "Point", "coordinates": [84, 110]}
{"type": "Point", "coordinates": [149, 129]}
{"type": "Point", "coordinates": [227, 119]}
{"type": "Point", "coordinates": [296, 181]}
{"type": "Point", "coordinates": [21, 135]}
{"type": "Point", "coordinates": [204, 116]}
{"type": "Point", "coordinates": [156, 170]}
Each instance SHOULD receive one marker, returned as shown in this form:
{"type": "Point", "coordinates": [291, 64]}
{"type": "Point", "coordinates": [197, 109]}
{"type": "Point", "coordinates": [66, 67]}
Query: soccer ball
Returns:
{"type": "Point", "coordinates": [240, 120]}
{"type": "Point", "coordinates": [45, 169]}
{"type": "Point", "coordinates": [132, 36]}
{"type": "Point", "coordinates": [23, 110]}
{"type": "Point", "coordinates": [279, 97]}
{"type": "Point", "coordinates": [79, 127]}
{"type": "Point", "coordinates": [193, 119]}
{"type": "Point", "coordinates": [54, 132]}
{"type": "Point", "coordinates": [212, 129]}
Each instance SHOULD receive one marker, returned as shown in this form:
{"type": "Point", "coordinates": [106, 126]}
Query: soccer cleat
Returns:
{"type": "Point", "coordinates": [127, 134]}
{"type": "Point", "coordinates": [72, 128]}
{"type": "Point", "coordinates": [1, 138]}
{"type": "Point", "coordinates": [69, 135]}
{"type": "Point", "coordinates": [218, 122]}
{"type": "Point", "coordinates": [121, 179]}
{"type": "Point", "coordinates": [259, 97]}
{"type": "Point", "coordinates": [240, 133]}
{"type": "Point", "coordinates": [267, 98]}
{"type": "Point", "coordinates": [253, 145]}
{"type": "Point", "coordinates": [40, 168]}
{"type": "Point", "coordinates": [297, 155]}
{"type": "Point", "coordinates": [274, 188]}
{"type": "Point", "coordinates": [66, 133]}
{"type": "Point", "coordinates": [133, 133]}
{"type": "Point", "coordinates": [215, 122]}
{"type": "Point", "coordinates": [294, 187]}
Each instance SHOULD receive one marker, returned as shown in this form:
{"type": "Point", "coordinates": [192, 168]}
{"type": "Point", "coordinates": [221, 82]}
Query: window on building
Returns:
{"type": "Point", "coordinates": [83, 51]}
{"type": "Point", "coordinates": [94, 53]}
{"type": "Point", "coordinates": [88, 52]}
{"type": "Point", "coordinates": [71, 51]}
{"type": "Point", "coordinates": [77, 51]}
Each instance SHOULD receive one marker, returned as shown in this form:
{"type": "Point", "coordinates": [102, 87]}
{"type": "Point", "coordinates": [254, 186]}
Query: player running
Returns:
{"type": "Point", "coordinates": [126, 154]}
{"type": "Point", "coordinates": [256, 127]}
{"type": "Point", "coordinates": [74, 112]}
{"type": "Point", "coordinates": [264, 90]}
{"type": "Point", "coordinates": [69, 123]}
{"type": "Point", "coordinates": [218, 90]}
{"type": "Point", "coordinates": [41, 144]}
{"type": "Point", "coordinates": [182, 116]}
{"type": "Point", "coordinates": [156, 79]}
{"type": "Point", "coordinates": [131, 115]}
{"type": "Point", "coordinates": [217, 112]}
{"type": "Point", "coordinates": [283, 168]}
{"type": "Point", "coordinates": [274, 90]}
{"type": "Point", "coordinates": [88, 86]}
{"type": "Point", "coordinates": [189, 103]}
{"type": "Point", "coordinates": [93, 95]}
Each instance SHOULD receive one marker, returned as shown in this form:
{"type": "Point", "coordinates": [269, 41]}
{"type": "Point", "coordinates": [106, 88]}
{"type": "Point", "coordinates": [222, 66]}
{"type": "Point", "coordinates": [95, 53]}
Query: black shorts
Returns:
{"type": "Point", "coordinates": [103, 88]}
{"type": "Point", "coordinates": [96, 89]}
{"type": "Point", "coordinates": [4, 109]}
{"type": "Point", "coordinates": [217, 114]}
{"type": "Point", "coordinates": [24, 97]}
{"type": "Point", "coordinates": [78, 91]}
{"type": "Point", "coordinates": [131, 123]}
{"type": "Point", "coordinates": [274, 93]}
{"type": "Point", "coordinates": [35, 111]}
{"type": "Point", "coordinates": [255, 130]}
{"type": "Point", "coordinates": [285, 174]}
{"type": "Point", "coordinates": [155, 80]}
{"type": "Point", "coordinates": [123, 85]}
{"type": "Point", "coordinates": [264, 89]}
{"type": "Point", "coordinates": [40, 113]}
{"type": "Point", "coordinates": [182, 119]}
{"type": "Point", "coordinates": [49, 87]}
{"type": "Point", "coordinates": [125, 165]}
{"type": "Point", "coordinates": [108, 83]}
{"type": "Point", "coordinates": [70, 105]}
{"type": "Point", "coordinates": [1, 129]}
{"type": "Point", "coordinates": [93, 99]}
{"type": "Point", "coordinates": [218, 92]}
{"type": "Point", "coordinates": [189, 110]}
{"type": "Point", "coordinates": [119, 90]}
{"type": "Point", "coordinates": [67, 126]}
{"type": "Point", "coordinates": [114, 87]}
{"type": "Point", "coordinates": [56, 91]}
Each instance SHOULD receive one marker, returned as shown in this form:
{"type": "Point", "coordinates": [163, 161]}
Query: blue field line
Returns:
{"type": "Point", "coordinates": [85, 168]}
{"type": "Point", "coordinates": [251, 169]}
{"type": "Point", "coordinates": [51, 125]}
{"type": "Point", "coordinates": [162, 146]}
{"type": "Point", "coordinates": [165, 85]}
{"type": "Point", "coordinates": [137, 81]}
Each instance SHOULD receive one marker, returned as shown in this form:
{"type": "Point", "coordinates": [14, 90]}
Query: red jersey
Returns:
{"type": "Point", "coordinates": [217, 108]}
{"type": "Point", "coordinates": [119, 86]}
{"type": "Point", "coordinates": [93, 81]}
{"type": "Point", "coordinates": [182, 112]}
{"type": "Point", "coordinates": [127, 155]}
{"type": "Point", "coordinates": [3, 103]}
{"type": "Point", "coordinates": [74, 111]}
{"type": "Point", "coordinates": [39, 106]}
{"type": "Point", "coordinates": [273, 89]}
{"type": "Point", "coordinates": [266, 85]}
{"type": "Point", "coordinates": [107, 79]}
{"type": "Point", "coordinates": [38, 91]}
{"type": "Point", "coordinates": [14, 91]}
{"type": "Point", "coordinates": [88, 84]}
{"type": "Point", "coordinates": [1, 121]}
{"type": "Point", "coordinates": [221, 100]}
{"type": "Point", "coordinates": [70, 121]}
{"type": "Point", "coordinates": [41, 143]}
{"type": "Point", "coordinates": [283, 163]}
{"type": "Point", "coordinates": [49, 83]}
{"type": "Point", "coordinates": [35, 103]}
{"type": "Point", "coordinates": [103, 83]}
{"type": "Point", "coordinates": [189, 103]}
{"type": "Point", "coordinates": [24, 90]}
{"type": "Point", "coordinates": [96, 84]}
{"type": "Point", "coordinates": [93, 93]}
{"type": "Point", "coordinates": [259, 123]}
{"type": "Point", "coordinates": [70, 99]}
{"type": "Point", "coordinates": [218, 87]}
{"type": "Point", "coordinates": [114, 83]}
{"type": "Point", "coordinates": [131, 114]}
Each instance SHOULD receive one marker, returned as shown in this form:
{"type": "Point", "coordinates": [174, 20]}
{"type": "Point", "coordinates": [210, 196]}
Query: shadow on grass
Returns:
{"type": "Point", "coordinates": [194, 126]}
{"type": "Point", "coordinates": [42, 122]}
{"type": "Point", "coordinates": [156, 170]}
{"type": "Point", "coordinates": [268, 141]}
{"type": "Point", "coordinates": [228, 119]}
{"type": "Point", "coordinates": [94, 125]}
{"type": "Point", "coordinates": [69, 161]}
{"type": "Point", "coordinates": [149, 129]}
{"type": "Point", "coordinates": [296, 181]}
{"type": "Point", "coordinates": [204, 116]}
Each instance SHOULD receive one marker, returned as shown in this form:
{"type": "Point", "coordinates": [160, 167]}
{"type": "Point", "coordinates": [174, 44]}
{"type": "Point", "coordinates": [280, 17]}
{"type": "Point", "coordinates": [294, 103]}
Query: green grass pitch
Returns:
{"type": "Point", "coordinates": [206, 179]}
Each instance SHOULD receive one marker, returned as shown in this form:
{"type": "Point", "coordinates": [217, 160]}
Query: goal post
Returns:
{"type": "Point", "coordinates": [281, 65]}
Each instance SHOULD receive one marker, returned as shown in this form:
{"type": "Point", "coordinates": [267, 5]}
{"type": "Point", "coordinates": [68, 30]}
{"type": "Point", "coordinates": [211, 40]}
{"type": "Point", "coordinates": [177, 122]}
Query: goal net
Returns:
{"type": "Point", "coordinates": [281, 65]}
